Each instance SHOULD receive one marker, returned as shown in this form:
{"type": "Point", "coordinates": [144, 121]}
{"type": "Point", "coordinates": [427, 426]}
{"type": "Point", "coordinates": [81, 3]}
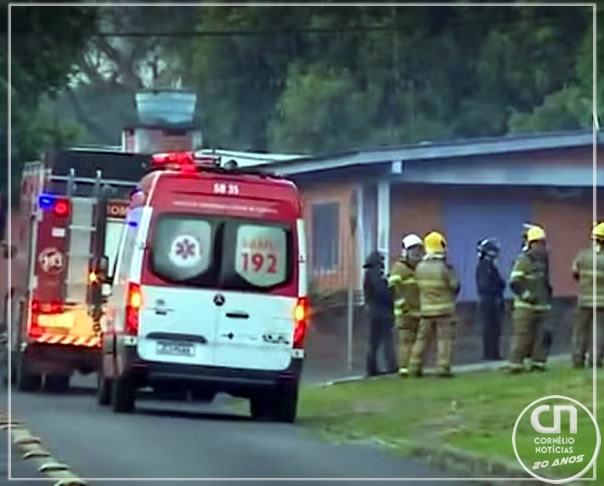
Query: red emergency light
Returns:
{"type": "Point", "coordinates": [177, 158]}
{"type": "Point", "coordinates": [184, 161]}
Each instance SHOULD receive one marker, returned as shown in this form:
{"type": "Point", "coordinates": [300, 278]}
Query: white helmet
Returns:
{"type": "Point", "coordinates": [410, 241]}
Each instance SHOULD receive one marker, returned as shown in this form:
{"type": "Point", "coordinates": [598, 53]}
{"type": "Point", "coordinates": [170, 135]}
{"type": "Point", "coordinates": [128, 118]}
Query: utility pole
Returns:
{"type": "Point", "coordinates": [353, 213]}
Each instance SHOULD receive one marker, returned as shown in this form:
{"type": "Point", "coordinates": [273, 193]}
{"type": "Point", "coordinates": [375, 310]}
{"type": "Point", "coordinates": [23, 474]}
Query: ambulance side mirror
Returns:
{"type": "Point", "coordinates": [106, 290]}
{"type": "Point", "coordinates": [102, 268]}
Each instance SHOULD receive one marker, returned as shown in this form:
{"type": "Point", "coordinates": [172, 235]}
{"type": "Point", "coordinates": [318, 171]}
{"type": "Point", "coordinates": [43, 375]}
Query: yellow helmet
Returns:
{"type": "Point", "coordinates": [435, 242]}
{"type": "Point", "coordinates": [598, 231]}
{"type": "Point", "coordinates": [535, 233]}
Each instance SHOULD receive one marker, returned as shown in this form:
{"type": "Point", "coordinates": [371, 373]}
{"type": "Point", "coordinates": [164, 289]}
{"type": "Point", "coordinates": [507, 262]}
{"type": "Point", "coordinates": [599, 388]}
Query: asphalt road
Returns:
{"type": "Point", "coordinates": [173, 440]}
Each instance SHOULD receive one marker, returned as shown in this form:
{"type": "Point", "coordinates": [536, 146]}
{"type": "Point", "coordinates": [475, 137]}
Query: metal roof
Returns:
{"type": "Point", "coordinates": [440, 150]}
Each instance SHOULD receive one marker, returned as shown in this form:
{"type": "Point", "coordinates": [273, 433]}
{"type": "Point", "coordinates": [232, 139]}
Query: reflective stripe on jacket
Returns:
{"type": "Point", "coordinates": [438, 286]}
{"type": "Point", "coordinates": [584, 272]}
{"type": "Point", "coordinates": [403, 283]}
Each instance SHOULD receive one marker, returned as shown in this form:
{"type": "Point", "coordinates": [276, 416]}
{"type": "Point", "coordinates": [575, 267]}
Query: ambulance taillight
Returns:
{"type": "Point", "coordinates": [300, 320]}
{"type": "Point", "coordinates": [133, 304]}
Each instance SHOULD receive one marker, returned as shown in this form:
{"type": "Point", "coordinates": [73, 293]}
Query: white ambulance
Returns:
{"type": "Point", "coordinates": [208, 293]}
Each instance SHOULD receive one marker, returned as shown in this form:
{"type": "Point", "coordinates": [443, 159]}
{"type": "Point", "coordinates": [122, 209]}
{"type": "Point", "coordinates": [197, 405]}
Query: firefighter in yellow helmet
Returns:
{"type": "Point", "coordinates": [583, 271]}
{"type": "Point", "coordinates": [530, 284]}
{"type": "Point", "coordinates": [406, 297]}
{"type": "Point", "coordinates": [438, 288]}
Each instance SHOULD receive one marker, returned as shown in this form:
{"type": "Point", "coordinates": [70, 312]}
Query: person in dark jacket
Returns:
{"type": "Point", "coordinates": [381, 314]}
{"type": "Point", "coordinates": [490, 287]}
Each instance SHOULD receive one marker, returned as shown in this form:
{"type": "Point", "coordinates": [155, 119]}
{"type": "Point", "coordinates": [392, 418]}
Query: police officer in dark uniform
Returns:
{"type": "Point", "coordinates": [378, 299]}
{"type": "Point", "coordinates": [490, 287]}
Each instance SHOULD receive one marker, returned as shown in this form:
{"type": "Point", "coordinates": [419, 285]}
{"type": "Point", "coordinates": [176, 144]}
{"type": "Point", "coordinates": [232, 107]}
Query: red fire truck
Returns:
{"type": "Point", "coordinates": [65, 235]}
{"type": "Point", "coordinates": [72, 206]}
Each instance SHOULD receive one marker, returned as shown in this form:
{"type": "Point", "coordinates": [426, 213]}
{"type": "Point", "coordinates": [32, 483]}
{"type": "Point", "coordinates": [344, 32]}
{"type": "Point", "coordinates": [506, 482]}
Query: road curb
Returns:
{"type": "Point", "coordinates": [458, 369]}
{"type": "Point", "coordinates": [32, 450]}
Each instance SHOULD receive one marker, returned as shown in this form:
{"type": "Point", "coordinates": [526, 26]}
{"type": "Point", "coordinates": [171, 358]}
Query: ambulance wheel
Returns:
{"type": "Point", "coordinates": [103, 389]}
{"type": "Point", "coordinates": [57, 383]}
{"type": "Point", "coordinates": [26, 381]}
{"type": "Point", "coordinates": [285, 404]}
{"type": "Point", "coordinates": [5, 368]}
{"type": "Point", "coordinates": [260, 407]}
{"type": "Point", "coordinates": [122, 399]}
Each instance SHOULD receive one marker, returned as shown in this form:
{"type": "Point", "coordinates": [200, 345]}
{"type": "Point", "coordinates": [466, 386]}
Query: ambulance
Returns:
{"type": "Point", "coordinates": [208, 293]}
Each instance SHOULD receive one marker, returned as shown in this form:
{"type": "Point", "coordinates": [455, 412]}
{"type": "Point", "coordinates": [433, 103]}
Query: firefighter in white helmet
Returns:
{"type": "Point", "coordinates": [583, 271]}
{"type": "Point", "coordinates": [530, 284]}
{"type": "Point", "coordinates": [406, 297]}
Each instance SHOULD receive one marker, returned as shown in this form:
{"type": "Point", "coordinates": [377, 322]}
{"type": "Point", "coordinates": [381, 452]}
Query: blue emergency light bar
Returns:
{"type": "Point", "coordinates": [46, 202]}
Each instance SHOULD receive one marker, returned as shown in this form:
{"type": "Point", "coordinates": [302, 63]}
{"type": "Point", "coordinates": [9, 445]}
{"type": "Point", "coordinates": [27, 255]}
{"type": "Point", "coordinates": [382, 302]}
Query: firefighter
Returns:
{"type": "Point", "coordinates": [379, 301]}
{"type": "Point", "coordinates": [490, 287]}
{"type": "Point", "coordinates": [438, 287]}
{"type": "Point", "coordinates": [583, 271]}
{"type": "Point", "coordinates": [406, 297]}
{"type": "Point", "coordinates": [530, 284]}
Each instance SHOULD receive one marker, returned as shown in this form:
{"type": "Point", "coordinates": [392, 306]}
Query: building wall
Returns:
{"type": "Point", "coordinates": [471, 214]}
{"type": "Point", "coordinates": [568, 224]}
{"type": "Point", "coordinates": [414, 209]}
{"type": "Point", "coordinates": [466, 214]}
{"type": "Point", "coordinates": [338, 193]}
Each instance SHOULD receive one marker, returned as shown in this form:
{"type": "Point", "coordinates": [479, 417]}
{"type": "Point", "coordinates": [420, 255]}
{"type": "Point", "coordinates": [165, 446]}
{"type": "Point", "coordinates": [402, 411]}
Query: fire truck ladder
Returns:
{"type": "Point", "coordinates": [82, 230]}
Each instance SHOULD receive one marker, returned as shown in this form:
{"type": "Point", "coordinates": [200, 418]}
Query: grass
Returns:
{"type": "Point", "coordinates": [473, 412]}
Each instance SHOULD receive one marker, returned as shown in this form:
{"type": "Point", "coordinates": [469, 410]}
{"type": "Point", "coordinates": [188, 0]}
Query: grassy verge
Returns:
{"type": "Point", "coordinates": [474, 412]}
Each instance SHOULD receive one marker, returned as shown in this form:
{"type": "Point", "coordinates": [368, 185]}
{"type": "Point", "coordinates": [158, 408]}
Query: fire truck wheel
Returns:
{"type": "Point", "coordinates": [57, 383]}
{"type": "Point", "coordinates": [122, 399]}
{"type": "Point", "coordinates": [26, 381]}
{"type": "Point", "coordinates": [103, 389]}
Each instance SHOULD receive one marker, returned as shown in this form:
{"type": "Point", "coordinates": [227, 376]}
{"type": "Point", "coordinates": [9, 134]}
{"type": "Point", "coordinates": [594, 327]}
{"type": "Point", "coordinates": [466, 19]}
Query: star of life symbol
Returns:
{"type": "Point", "coordinates": [51, 260]}
{"type": "Point", "coordinates": [185, 251]}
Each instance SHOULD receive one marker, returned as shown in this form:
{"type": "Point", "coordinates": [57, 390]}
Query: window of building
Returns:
{"type": "Point", "coordinates": [325, 236]}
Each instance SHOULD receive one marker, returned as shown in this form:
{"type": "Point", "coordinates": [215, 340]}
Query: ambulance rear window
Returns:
{"type": "Point", "coordinates": [183, 249]}
{"type": "Point", "coordinates": [256, 255]}
{"type": "Point", "coordinates": [229, 254]}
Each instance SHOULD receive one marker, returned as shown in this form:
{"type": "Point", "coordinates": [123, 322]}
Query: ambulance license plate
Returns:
{"type": "Point", "coordinates": [175, 348]}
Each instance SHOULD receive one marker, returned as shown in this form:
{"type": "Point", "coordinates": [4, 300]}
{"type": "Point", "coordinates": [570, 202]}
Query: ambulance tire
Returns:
{"type": "Point", "coordinates": [285, 404]}
{"type": "Point", "coordinates": [5, 368]}
{"type": "Point", "coordinates": [260, 407]}
{"type": "Point", "coordinates": [122, 399]}
{"type": "Point", "coordinates": [57, 383]}
{"type": "Point", "coordinates": [26, 381]}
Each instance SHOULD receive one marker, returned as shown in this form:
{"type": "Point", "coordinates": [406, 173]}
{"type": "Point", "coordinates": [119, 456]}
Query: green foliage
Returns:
{"type": "Point", "coordinates": [306, 79]}
{"type": "Point", "coordinates": [474, 413]}
{"type": "Point", "coordinates": [429, 73]}
{"type": "Point", "coordinates": [45, 43]}
{"type": "Point", "coordinates": [562, 110]}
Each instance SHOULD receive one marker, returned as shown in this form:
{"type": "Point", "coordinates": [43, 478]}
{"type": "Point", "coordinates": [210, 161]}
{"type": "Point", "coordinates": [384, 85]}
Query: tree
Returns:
{"type": "Point", "coordinates": [113, 68]}
{"type": "Point", "coordinates": [49, 41]}
{"type": "Point", "coordinates": [404, 75]}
